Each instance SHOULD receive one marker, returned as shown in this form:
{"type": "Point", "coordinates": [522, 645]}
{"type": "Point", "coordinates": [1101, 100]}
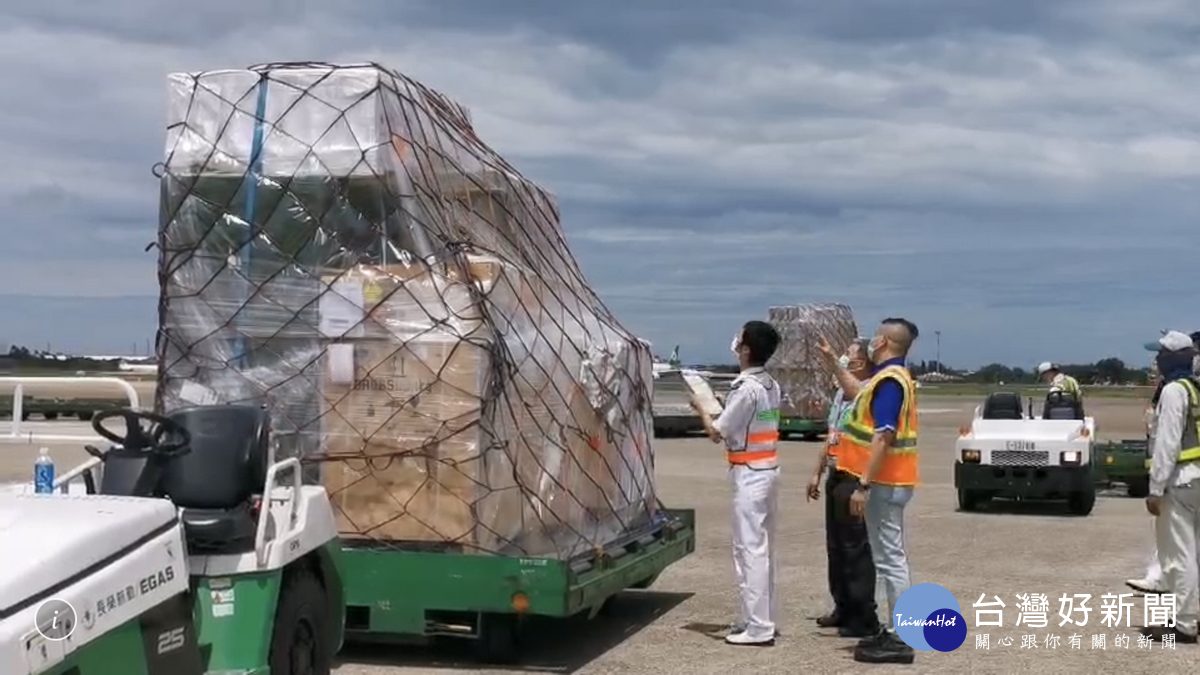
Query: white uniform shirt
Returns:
{"type": "Point", "coordinates": [752, 392]}
{"type": "Point", "coordinates": [1165, 471]}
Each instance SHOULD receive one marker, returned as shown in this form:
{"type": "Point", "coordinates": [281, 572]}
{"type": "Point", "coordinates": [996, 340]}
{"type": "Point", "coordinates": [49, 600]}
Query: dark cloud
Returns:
{"type": "Point", "coordinates": [1019, 175]}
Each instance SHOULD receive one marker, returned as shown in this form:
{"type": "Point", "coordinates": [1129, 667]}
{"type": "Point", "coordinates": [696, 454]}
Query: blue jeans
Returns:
{"type": "Point", "coordinates": [885, 528]}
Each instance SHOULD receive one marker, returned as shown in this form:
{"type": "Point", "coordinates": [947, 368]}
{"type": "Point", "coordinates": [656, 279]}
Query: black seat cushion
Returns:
{"type": "Point", "coordinates": [220, 530]}
{"type": "Point", "coordinates": [227, 462]}
{"type": "Point", "coordinates": [1060, 406]}
{"type": "Point", "coordinates": [1002, 405]}
{"type": "Point", "coordinates": [215, 483]}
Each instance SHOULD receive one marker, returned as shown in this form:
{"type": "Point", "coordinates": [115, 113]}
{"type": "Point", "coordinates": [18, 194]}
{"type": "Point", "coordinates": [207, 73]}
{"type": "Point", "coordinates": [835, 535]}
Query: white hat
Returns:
{"type": "Point", "coordinates": [1045, 367]}
{"type": "Point", "coordinates": [1171, 341]}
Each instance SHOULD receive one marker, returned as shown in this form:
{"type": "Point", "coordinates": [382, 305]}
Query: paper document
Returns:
{"type": "Point", "coordinates": [703, 392]}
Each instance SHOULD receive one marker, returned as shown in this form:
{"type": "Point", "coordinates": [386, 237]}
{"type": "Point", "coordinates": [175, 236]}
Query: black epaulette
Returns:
{"type": "Point", "coordinates": [736, 384]}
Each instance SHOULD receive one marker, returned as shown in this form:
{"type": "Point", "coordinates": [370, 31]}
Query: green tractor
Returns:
{"type": "Point", "coordinates": [191, 555]}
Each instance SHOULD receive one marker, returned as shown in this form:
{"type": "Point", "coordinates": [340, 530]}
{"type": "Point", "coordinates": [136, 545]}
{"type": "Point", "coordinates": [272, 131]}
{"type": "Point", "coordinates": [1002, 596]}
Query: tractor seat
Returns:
{"type": "Point", "coordinates": [1059, 406]}
{"type": "Point", "coordinates": [1002, 405]}
{"type": "Point", "coordinates": [215, 484]}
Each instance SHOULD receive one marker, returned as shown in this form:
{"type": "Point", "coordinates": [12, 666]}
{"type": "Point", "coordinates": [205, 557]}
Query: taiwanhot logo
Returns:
{"type": "Point", "coordinates": [928, 618]}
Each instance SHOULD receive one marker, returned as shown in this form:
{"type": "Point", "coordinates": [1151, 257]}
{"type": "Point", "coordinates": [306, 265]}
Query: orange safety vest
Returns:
{"type": "Point", "coordinates": [762, 434]}
{"type": "Point", "coordinates": [853, 450]}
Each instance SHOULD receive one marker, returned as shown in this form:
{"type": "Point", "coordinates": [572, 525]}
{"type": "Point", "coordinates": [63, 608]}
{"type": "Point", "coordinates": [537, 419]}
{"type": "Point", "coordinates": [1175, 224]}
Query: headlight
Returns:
{"type": "Point", "coordinates": [970, 456]}
{"type": "Point", "coordinates": [1069, 457]}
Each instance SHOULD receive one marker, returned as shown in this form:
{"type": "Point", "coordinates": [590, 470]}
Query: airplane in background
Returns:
{"type": "Point", "coordinates": [673, 363]}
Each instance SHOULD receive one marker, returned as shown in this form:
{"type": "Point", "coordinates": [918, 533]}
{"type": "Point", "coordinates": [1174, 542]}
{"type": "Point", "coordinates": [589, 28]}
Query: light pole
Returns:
{"type": "Point", "coordinates": [938, 334]}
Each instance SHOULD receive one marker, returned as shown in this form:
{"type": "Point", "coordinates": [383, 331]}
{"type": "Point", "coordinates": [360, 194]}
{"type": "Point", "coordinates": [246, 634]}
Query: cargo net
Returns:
{"type": "Point", "coordinates": [338, 246]}
{"type": "Point", "coordinates": [804, 374]}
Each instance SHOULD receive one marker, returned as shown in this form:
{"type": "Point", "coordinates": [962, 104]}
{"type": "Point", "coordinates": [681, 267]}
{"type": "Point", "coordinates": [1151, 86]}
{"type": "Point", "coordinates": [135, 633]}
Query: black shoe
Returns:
{"type": "Point", "coordinates": [852, 631]}
{"type": "Point", "coordinates": [1157, 633]}
{"type": "Point", "coordinates": [873, 639]}
{"type": "Point", "coordinates": [829, 621]}
{"type": "Point", "coordinates": [888, 649]}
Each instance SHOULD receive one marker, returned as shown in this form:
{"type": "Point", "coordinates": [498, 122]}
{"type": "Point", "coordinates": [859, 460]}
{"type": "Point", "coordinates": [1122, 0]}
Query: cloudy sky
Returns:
{"type": "Point", "coordinates": [1020, 175]}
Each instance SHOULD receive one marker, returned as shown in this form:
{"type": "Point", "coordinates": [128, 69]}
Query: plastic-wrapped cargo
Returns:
{"type": "Point", "coordinates": [337, 244]}
{"type": "Point", "coordinates": [798, 365]}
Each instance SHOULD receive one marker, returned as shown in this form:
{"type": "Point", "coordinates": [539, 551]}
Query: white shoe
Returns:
{"type": "Point", "coordinates": [1151, 586]}
{"type": "Point", "coordinates": [735, 628]}
{"type": "Point", "coordinates": [743, 639]}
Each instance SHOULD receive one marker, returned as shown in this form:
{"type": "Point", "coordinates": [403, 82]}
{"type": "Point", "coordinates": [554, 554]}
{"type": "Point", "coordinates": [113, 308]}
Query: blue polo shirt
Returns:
{"type": "Point", "coordinates": [887, 400]}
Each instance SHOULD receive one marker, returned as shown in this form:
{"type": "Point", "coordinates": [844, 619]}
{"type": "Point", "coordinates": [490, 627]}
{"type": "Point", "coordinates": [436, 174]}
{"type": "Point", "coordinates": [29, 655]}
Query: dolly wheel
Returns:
{"type": "Point", "coordinates": [299, 642]}
{"type": "Point", "coordinates": [499, 639]}
{"type": "Point", "coordinates": [970, 500]}
{"type": "Point", "coordinates": [1139, 487]}
{"type": "Point", "coordinates": [1081, 503]}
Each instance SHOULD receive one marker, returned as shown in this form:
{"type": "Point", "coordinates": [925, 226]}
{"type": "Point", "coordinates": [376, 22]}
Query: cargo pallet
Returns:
{"type": "Point", "coordinates": [397, 595]}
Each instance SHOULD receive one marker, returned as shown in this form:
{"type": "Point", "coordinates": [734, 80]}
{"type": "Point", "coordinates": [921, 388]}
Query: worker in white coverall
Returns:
{"type": "Point", "coordinates": [1174, 498]}
{"type": "Point", "coordinates": [749, 429]}
{"type": "Point", "coordinates": [1151, 582]}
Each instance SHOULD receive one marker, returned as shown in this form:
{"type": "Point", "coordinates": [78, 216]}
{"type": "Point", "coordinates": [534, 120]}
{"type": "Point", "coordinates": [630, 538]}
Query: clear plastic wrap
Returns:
{"type": "Point", "coordinates": [338, 245]}
{"type": "Point", "coordinates": [798, 365]}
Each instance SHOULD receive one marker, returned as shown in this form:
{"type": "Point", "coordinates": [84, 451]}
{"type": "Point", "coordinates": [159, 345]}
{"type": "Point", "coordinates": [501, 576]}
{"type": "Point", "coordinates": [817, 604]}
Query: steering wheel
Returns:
{"type": "Point", "coordinates": [164, 439]}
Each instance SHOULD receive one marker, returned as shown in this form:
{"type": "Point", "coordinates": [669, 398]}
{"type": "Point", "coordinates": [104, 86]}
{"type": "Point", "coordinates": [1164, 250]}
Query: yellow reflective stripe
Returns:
{"type": "Point", "coordinates": [1189, 455]}
{"type": "Point", "coordinates": [861, 434]}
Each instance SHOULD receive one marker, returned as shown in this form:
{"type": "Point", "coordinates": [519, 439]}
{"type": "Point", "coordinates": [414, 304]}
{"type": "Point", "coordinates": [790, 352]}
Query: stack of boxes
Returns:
{"type": "Point", "coordinates": [412, 318]}
{"type": "Point", "coordinates": [801, 369]}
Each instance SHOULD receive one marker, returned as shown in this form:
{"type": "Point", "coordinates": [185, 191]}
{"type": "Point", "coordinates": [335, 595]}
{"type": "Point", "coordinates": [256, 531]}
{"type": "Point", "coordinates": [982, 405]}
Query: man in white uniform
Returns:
{"type": "Point", "coordinates": [1152, 582]}
{"type": "Point", "coordinates": [749, 429]}
{"type": "Point", "coordinates": [1174, 498]}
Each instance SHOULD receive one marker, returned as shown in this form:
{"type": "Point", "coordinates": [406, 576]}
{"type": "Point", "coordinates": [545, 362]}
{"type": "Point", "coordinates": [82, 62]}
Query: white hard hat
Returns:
{"type": "Point", "coordinates": [1045, 367]}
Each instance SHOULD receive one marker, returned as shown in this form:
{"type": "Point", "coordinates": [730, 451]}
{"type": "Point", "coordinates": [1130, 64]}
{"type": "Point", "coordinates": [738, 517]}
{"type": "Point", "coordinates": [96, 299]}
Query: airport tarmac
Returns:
{"type": "Point", "coordinates": [1005, 551]}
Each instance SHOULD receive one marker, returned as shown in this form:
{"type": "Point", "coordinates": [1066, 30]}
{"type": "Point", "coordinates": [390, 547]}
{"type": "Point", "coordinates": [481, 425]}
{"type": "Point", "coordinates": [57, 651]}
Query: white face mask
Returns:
{"type": "Point", "coordinates": [844, 362]}
{"type": "Point", "coordinates": [736, 345]}
{"type": "Point", "coordinates": [871, 349]}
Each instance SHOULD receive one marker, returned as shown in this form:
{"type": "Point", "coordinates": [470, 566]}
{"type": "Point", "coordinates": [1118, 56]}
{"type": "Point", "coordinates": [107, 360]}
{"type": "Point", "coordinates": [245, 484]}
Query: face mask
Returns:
{"type": "Point", "coordinates": [736, 344]}
{"type": "Point", "coordinates": [844, 362]}
{"type": "Point", "coordinates": [871, 349]}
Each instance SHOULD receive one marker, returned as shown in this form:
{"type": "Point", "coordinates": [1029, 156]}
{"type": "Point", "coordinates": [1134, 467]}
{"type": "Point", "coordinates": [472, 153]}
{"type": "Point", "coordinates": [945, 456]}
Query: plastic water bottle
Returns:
{"type": "Point", "coordinates": [43, 473]}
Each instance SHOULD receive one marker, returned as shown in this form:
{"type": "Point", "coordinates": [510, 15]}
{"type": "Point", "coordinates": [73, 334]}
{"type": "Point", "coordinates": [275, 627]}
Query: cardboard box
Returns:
{"type": "Point", "coordinates": [426, 442]}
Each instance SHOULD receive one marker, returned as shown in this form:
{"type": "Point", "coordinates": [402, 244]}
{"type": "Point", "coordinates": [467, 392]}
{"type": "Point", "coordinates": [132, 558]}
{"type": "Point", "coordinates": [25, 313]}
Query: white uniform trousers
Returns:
{"type": "Point", "coordinates": [755, 512]}
{"type": "Point", "coordinates": [1177, 530]}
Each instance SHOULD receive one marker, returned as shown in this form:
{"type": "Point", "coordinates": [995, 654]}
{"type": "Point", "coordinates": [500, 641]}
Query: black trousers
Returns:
{"type": "Point", "coordinates": [851, 570]}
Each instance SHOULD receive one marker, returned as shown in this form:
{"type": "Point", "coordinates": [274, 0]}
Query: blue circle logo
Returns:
{"type": "Point", "coordinates": [929, 618]}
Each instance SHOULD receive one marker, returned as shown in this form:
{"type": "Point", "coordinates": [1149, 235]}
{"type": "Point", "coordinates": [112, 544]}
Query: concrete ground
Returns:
{"type": "Point", "coordinates": [1006, 551]}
